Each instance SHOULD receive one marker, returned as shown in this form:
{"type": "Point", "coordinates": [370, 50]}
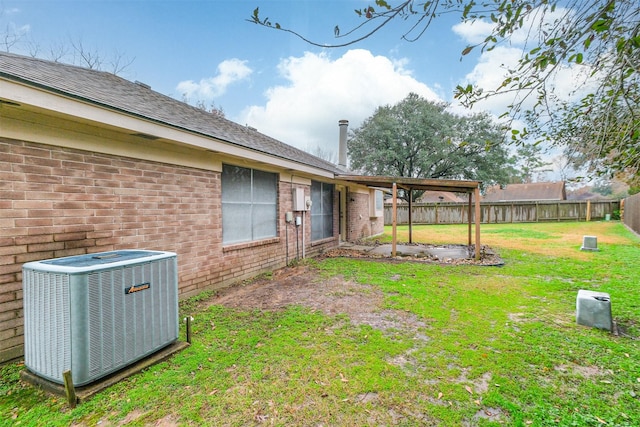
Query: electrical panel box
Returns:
{"type": "Point", "coordinates": [97, 313]}
{"type": "Point", "coordinates": [299, 200]}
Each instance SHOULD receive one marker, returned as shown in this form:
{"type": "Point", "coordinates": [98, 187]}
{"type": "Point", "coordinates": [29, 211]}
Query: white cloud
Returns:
{"type": "Point", "coordinates": [473, 32]}
{"type": "Point", "coordinates": [490, 72]}
{"type": "Point", "coordinates": [567, 82]}
{"type": "Point", "coordinates": [319, 91]}
{"type": "Point", "coordinates": [229, 72]}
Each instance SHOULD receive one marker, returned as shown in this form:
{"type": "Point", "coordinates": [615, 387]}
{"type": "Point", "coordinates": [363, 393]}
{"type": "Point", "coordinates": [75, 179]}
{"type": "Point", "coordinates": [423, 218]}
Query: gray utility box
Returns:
{"type": "Point", "coordinates": [594, 309]}
{"type": "Point", "coordinates": [95, 314]}
{"type": "Point", "coordinates": [589, 243]}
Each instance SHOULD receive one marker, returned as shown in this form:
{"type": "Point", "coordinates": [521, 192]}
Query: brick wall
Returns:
{"type": "Point", "coordinates": [377, 225]}
{"type": "Point", "coordinates": [57, 202]}
{"type": "Point", "coordinates": [359, 222]}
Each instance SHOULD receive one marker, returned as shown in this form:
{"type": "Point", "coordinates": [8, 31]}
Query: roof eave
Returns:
{"type": "Point", "coordinates": [457, 186]}
{"type": "Point", "coordinates": [27, 93]}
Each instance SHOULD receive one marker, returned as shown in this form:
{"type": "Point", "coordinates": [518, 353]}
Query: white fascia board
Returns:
{"type": "Point", "coordinates": [86, 111]}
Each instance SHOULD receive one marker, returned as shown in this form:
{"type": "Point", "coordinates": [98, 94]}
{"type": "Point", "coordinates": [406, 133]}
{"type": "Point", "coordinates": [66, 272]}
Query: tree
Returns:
{"type": "Point", "coordinates": [420, 139]}
{"type": "Point", "coordinates": [531, 163]}
{"type": "Point", "coordinates": [323, 153]}
{"type": "Point", "coordinates": [601, 36]}
{"type": "Point", "coordinates": [10, 36]}
{"type": "Point", "coordinates": [13, 38]}
{"type": "Point", "coordinates": [202, 105]}
{"type": "Point", "coordinates": [601, 139]}
{"type": "Point", "coordinates": [603, 187]}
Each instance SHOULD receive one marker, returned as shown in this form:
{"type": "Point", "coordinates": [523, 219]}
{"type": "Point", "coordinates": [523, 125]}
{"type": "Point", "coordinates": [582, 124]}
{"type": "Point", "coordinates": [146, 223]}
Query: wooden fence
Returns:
{"type": "Point", "coordinates": [631, 214]}
{"type": "Point", "coordinates": [505, 212]}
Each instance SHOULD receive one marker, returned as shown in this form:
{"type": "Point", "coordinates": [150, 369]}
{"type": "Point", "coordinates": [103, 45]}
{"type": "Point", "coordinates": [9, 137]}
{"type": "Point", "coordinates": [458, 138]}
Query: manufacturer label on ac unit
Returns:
{"type": "Point", "coordinates": [137, 288]}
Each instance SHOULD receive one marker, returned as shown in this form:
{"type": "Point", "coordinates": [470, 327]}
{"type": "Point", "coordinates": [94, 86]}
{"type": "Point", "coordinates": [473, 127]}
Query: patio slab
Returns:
{"type": "Point", "coordinates": [422, 251]}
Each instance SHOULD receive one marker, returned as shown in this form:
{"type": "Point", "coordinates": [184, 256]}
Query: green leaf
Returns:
{"type": "Point", "coordinates": [543, 62]}
{"type": "Point", "coordinates": [467, 9]}
{"type": "Point", "coordinates": [467, 50]}
{"type": "Point", "coordinates": [601, 25]}
{"type": "Point", "coordinates": [254, 17]}
{"type": "Point", "coordinates": [587, 41]}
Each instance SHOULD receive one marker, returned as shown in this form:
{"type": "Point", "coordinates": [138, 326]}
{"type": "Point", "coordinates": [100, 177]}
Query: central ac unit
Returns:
{"type": "Point", "coordinates": [95, 314]}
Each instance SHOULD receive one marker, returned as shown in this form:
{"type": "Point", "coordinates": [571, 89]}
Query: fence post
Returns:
{"type": "Point", "coordinates": [410, 216]}
{"type": "Point", "coordinates": [579, 210]}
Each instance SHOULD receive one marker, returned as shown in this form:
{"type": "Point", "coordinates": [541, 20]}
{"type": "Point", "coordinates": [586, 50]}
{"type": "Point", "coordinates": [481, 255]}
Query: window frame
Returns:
{"type": "Point", "coordinates": [253, 219]}
{"type": "Point", "coordinates": [376, 203]}
{"type": "Point", "coordinates": [322, 216]}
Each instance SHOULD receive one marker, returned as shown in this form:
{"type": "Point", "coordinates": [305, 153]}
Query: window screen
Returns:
{"type": "Point", "coordinates": [379, 200]}
{"type": "Point", "coordinates": [249, 199]}
{"type": "Point", "coordinates": [321, 210]}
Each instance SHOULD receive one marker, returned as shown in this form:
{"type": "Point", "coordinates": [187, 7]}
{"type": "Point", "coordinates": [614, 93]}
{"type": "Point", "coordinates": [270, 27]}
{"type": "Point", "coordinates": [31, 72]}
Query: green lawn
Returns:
{"type": "Point", "coordinates": [487, 346]}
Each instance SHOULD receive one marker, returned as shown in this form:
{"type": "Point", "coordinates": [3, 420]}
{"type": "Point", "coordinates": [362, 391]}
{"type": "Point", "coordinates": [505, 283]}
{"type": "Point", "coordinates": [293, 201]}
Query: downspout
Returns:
{"type": "Point", "coordinates": [304, 213]}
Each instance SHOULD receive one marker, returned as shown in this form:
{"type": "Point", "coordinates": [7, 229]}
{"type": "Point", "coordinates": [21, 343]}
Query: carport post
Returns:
{"type": "Point", "coordinates": [410, 216]}
{"type": "Point", "coordinates": [394, 218]}
{"type": "Point", "coordinates": [470, 217]}
{"type": "Point", "coordinates": [477, 197]}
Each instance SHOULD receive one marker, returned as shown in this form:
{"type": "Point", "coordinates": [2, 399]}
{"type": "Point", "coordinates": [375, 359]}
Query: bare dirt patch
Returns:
{"type": "Point", "coordinates": [302, 286]}
{"type": "Point", "coordinates": [495, 415]}
{"type": "Point", "coordinates": [362, 304]}
{"type": "Point", "coordinates": [583, 371]}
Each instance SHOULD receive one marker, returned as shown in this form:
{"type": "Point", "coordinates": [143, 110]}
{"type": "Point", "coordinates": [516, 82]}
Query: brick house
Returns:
{"type": "Point", "coordinates": [91, 162]}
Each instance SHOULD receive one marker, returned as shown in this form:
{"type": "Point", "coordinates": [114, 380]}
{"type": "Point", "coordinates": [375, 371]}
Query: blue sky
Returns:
{"type": "Point", "coordinates": [267, 79]}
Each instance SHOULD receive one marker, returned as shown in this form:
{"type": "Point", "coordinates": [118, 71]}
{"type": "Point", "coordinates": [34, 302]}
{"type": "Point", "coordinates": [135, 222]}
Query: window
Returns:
{"type": "Point", "coordinates": [376, 203]}
{"type": "Point", "coordinates": [249, 204]}
{"type": "Point", "coordinates": [321, 210]}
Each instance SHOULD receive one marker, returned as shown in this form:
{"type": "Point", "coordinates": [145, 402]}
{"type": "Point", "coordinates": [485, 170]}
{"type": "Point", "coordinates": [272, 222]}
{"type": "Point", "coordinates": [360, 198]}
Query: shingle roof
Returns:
{"type": "Point", "coordinates": [108, 90]}
{"type": "Point", "coordinates": [440, 196]}
{"type": "Point", "coordinates": [526, 192]}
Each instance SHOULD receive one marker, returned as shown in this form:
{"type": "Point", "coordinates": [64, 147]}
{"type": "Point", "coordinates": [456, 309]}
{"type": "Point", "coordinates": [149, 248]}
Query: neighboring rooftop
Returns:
{"type": "Point", "coordinates": [113, 92]}
{"type": "Point", "coordinates": [535, 191]}
{"type": "Point", "coordinates": [440, 197]}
